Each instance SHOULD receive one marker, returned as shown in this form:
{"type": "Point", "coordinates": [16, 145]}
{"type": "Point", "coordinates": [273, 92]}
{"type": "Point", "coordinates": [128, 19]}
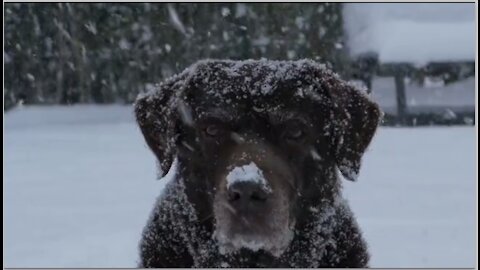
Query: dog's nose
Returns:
{"type": "Point", "coordinates": [246, 192]}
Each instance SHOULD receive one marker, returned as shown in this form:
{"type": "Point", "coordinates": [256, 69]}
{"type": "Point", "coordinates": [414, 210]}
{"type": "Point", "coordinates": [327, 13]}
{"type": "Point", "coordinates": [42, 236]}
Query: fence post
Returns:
{"type": "Point", "coordinates": [401, 96]}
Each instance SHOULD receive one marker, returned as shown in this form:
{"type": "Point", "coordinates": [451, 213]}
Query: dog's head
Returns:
{"type": "Point", "coordinates": [259, 142]}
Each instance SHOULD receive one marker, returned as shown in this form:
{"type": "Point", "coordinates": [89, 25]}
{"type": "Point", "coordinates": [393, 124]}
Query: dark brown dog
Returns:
{"type": "Point", "coordinates": [256, 147]}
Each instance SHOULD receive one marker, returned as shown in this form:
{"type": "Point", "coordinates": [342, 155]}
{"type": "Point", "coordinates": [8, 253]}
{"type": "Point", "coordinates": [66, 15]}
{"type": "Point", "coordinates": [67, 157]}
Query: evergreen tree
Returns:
{"type": "Point", "coordinates": [65, 53]}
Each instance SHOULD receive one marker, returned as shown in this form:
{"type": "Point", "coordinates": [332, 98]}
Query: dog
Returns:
{"type": "Point", "coordinates": [255, 150]}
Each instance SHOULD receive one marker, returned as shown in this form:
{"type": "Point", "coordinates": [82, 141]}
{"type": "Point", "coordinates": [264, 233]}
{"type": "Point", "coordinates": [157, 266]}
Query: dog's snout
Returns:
{"type": "Point", "coordinates": [247, 192]}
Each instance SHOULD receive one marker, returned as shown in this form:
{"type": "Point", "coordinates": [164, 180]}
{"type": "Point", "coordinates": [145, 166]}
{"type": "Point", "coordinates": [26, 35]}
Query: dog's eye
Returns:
{"type": "Point", "coordinates": [212, 130]}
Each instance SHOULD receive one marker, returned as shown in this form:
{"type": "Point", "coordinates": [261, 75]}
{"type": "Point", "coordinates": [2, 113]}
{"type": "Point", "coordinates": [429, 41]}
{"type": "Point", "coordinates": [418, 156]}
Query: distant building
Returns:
{"type": "Point", "coordinates": [417, 58]}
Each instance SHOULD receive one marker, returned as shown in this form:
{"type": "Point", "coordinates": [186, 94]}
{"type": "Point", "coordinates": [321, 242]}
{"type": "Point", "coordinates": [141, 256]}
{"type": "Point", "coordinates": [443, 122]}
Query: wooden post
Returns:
{"type": "Point", "coordinates": [401, 96]}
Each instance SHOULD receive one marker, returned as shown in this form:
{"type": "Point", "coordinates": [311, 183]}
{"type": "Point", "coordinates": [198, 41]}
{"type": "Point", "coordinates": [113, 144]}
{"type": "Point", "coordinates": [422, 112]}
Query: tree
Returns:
{"type": "Point", "coordinates": [65, 53]}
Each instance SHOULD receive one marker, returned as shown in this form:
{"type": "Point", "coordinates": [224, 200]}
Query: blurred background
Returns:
{"type": "Point", "coordinates": [79, 178]}
{"type": "Point", "coordinates": [418, 59]}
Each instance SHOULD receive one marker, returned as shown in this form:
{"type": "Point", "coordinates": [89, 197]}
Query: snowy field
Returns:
{"type": "Point", "coordinates": [80, 182]}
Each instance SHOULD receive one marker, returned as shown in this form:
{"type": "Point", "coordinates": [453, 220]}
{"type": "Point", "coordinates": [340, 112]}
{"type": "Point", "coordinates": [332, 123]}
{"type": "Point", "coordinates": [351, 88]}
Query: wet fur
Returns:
{"type": "Point", "coordinates": [179, 231]}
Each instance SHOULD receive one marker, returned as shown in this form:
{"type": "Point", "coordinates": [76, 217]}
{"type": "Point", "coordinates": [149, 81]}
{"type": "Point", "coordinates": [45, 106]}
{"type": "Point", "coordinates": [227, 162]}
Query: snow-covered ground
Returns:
{"type": "Point", "coordinates": [79, 183]}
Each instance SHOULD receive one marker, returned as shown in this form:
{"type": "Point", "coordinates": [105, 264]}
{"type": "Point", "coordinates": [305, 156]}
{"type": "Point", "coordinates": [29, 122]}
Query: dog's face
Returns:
{"type": "Point", "coordinates": [260, 143]}
{"type": "Point", "coordinates": [256, 155]}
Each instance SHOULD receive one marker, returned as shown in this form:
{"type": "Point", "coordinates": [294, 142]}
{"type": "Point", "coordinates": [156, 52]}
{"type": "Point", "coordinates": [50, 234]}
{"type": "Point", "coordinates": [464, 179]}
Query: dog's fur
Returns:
{"type": "Point", "coordinates": [295, 120]}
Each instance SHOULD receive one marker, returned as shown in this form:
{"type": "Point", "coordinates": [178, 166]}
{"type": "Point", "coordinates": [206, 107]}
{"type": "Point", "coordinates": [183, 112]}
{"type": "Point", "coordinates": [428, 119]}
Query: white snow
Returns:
{"type": "Point", "coordinates": [79, 183]}
{"type": "Point", "coordinates": [185, 113]}
{"type": "Point", "coordinates": [124, 44]}
{"type": "Point", "coordinates": [30, 77]}
{"type": "Point", "coordinates": [315, 154]}
{"type": "Point", "coordinates": [412, 32]}
{"type": "Point", "coordinates": [237, 138]}
{"type": "Point", "coordinates": [415, 197]}
{"type": "Point", "coordinates": [225, 11]}
{"type": "Point", "coordinates": [264, 74]}
{"type": "Point", "coordinates": [168, 48]}
{"type": "Point", "coordinates": [254, 243]}
{"type": "Point", "coordinates": [247, 173]}
{"type": "Point", "coordinates": [91, 27]}
{"type": "Point", "coordinates": [79, 186]}
{"type": "Point", "coordinates": [175, 20]}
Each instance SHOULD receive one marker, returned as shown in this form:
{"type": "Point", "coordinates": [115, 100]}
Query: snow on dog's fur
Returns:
{"type": "Point", "coordinates": [258, 146]}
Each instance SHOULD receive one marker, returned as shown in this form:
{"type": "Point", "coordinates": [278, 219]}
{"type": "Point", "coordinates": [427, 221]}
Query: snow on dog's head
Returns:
{"type": "Point", "coordinates": [260, 142]}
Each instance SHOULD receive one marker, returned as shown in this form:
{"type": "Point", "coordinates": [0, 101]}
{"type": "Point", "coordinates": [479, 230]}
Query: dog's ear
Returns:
{"type": "Point", "coordinates": [154, 114]}
{"type": "Point", "coordinates": [356, 118]}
